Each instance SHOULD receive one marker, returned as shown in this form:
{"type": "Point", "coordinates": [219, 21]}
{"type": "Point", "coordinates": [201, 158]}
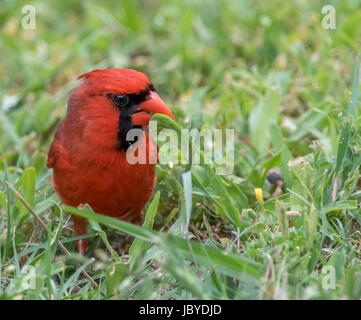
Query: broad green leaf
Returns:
{"type": "Point", "coordinates": [261, 115]}
{"type": "Point", "coordinates": [28, 186]}
{"type": "Point", "coordinates": [114, 275]}
{"type": "Point", "coordinates": [3, 203]}
{"type": "Point", "coordinates": [343, 145]}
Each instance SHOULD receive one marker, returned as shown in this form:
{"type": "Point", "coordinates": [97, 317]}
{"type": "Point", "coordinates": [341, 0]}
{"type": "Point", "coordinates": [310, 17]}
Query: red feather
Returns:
{"type": "Point", "coordinates": [88, 166]}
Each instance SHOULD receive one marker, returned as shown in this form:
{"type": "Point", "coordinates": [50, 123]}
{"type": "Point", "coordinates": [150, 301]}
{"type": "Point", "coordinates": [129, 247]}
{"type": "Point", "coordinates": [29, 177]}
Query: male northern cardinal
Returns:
{"type": "Point", "coordinates": [88, 154]}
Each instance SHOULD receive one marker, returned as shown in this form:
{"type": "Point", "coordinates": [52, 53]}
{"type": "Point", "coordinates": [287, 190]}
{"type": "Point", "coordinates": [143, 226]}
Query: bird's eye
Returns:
{"type": "Point", "coordinates": [121, 100]}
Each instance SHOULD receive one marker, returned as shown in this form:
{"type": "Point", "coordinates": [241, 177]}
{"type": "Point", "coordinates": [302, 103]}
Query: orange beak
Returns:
{"type": "Point", "coordinates": [153, 104]}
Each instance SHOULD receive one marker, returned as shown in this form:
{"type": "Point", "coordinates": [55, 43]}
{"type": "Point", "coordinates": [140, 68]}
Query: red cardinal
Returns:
{"type": "Point", "coordinates": [88, 154]}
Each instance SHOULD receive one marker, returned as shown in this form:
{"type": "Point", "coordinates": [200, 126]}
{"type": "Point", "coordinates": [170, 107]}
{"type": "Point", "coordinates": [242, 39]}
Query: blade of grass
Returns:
{"type": "Point", "coordinates": [352, 106]}
{"type": "Point", "coordinates": [211, 257]}
{"type": "Point", "coordinates": [138, 247]}
{"type": "Point", "coordinates": [37, 218]}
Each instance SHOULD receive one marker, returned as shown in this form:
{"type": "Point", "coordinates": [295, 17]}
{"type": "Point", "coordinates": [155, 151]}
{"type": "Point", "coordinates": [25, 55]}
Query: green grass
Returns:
{"type": "Point", "coordinates": [269, 70]}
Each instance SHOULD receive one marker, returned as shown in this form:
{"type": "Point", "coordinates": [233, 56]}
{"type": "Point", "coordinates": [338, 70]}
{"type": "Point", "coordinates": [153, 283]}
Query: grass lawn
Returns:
{"type": "Point", "coordinates": [285, 224]}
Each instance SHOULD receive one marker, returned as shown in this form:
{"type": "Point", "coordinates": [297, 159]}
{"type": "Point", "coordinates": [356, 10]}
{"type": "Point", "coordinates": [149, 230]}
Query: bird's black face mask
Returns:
{"type": "Point", "coordinates": [128, 104]}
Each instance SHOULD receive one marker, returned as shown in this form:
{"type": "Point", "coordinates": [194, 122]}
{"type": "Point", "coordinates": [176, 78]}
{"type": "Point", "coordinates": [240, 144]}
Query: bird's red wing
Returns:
{"type": "Point", "coordinates": [52, 155]}
{"type": "Point", "coordinates": [54, 151]}
{"type": "Point", "coordinates": [56, 148]}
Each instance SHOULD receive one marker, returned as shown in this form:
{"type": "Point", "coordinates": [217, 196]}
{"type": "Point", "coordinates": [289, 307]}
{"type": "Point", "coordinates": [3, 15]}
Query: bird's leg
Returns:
{"type": "Point", "coordinates": [80, 225]}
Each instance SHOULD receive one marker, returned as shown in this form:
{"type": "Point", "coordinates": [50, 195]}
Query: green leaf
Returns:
{"type": "Point", "coordinates": [3, 203]}
{"type": "Point", "coordinates": [225, 200]}
{"type": "Point", "coordinates": [209, 257]}
{"type": "Point", "coordinates": [138, 247]}
{"type": "Point", "coordinates": [311, 226]}
{"type": "Point", "coordinates": [261, 116]}
{"type": "Point", "coordinates": [282, 218]}
{"type": "Point", "coordinates": [343, 145]}
{"type": "Point", "coordinates": [114, 275]}
{"type": "Point", "coordinates": [166, 121]}
{"type": "Point", "coordinates": [170, 217]}
{"type": "Point", "coordinates": [28, 186]}
{"type": "Point", "coordinates": [340, 205]}
{"type": "Point", "coordinates": [96, 227]}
